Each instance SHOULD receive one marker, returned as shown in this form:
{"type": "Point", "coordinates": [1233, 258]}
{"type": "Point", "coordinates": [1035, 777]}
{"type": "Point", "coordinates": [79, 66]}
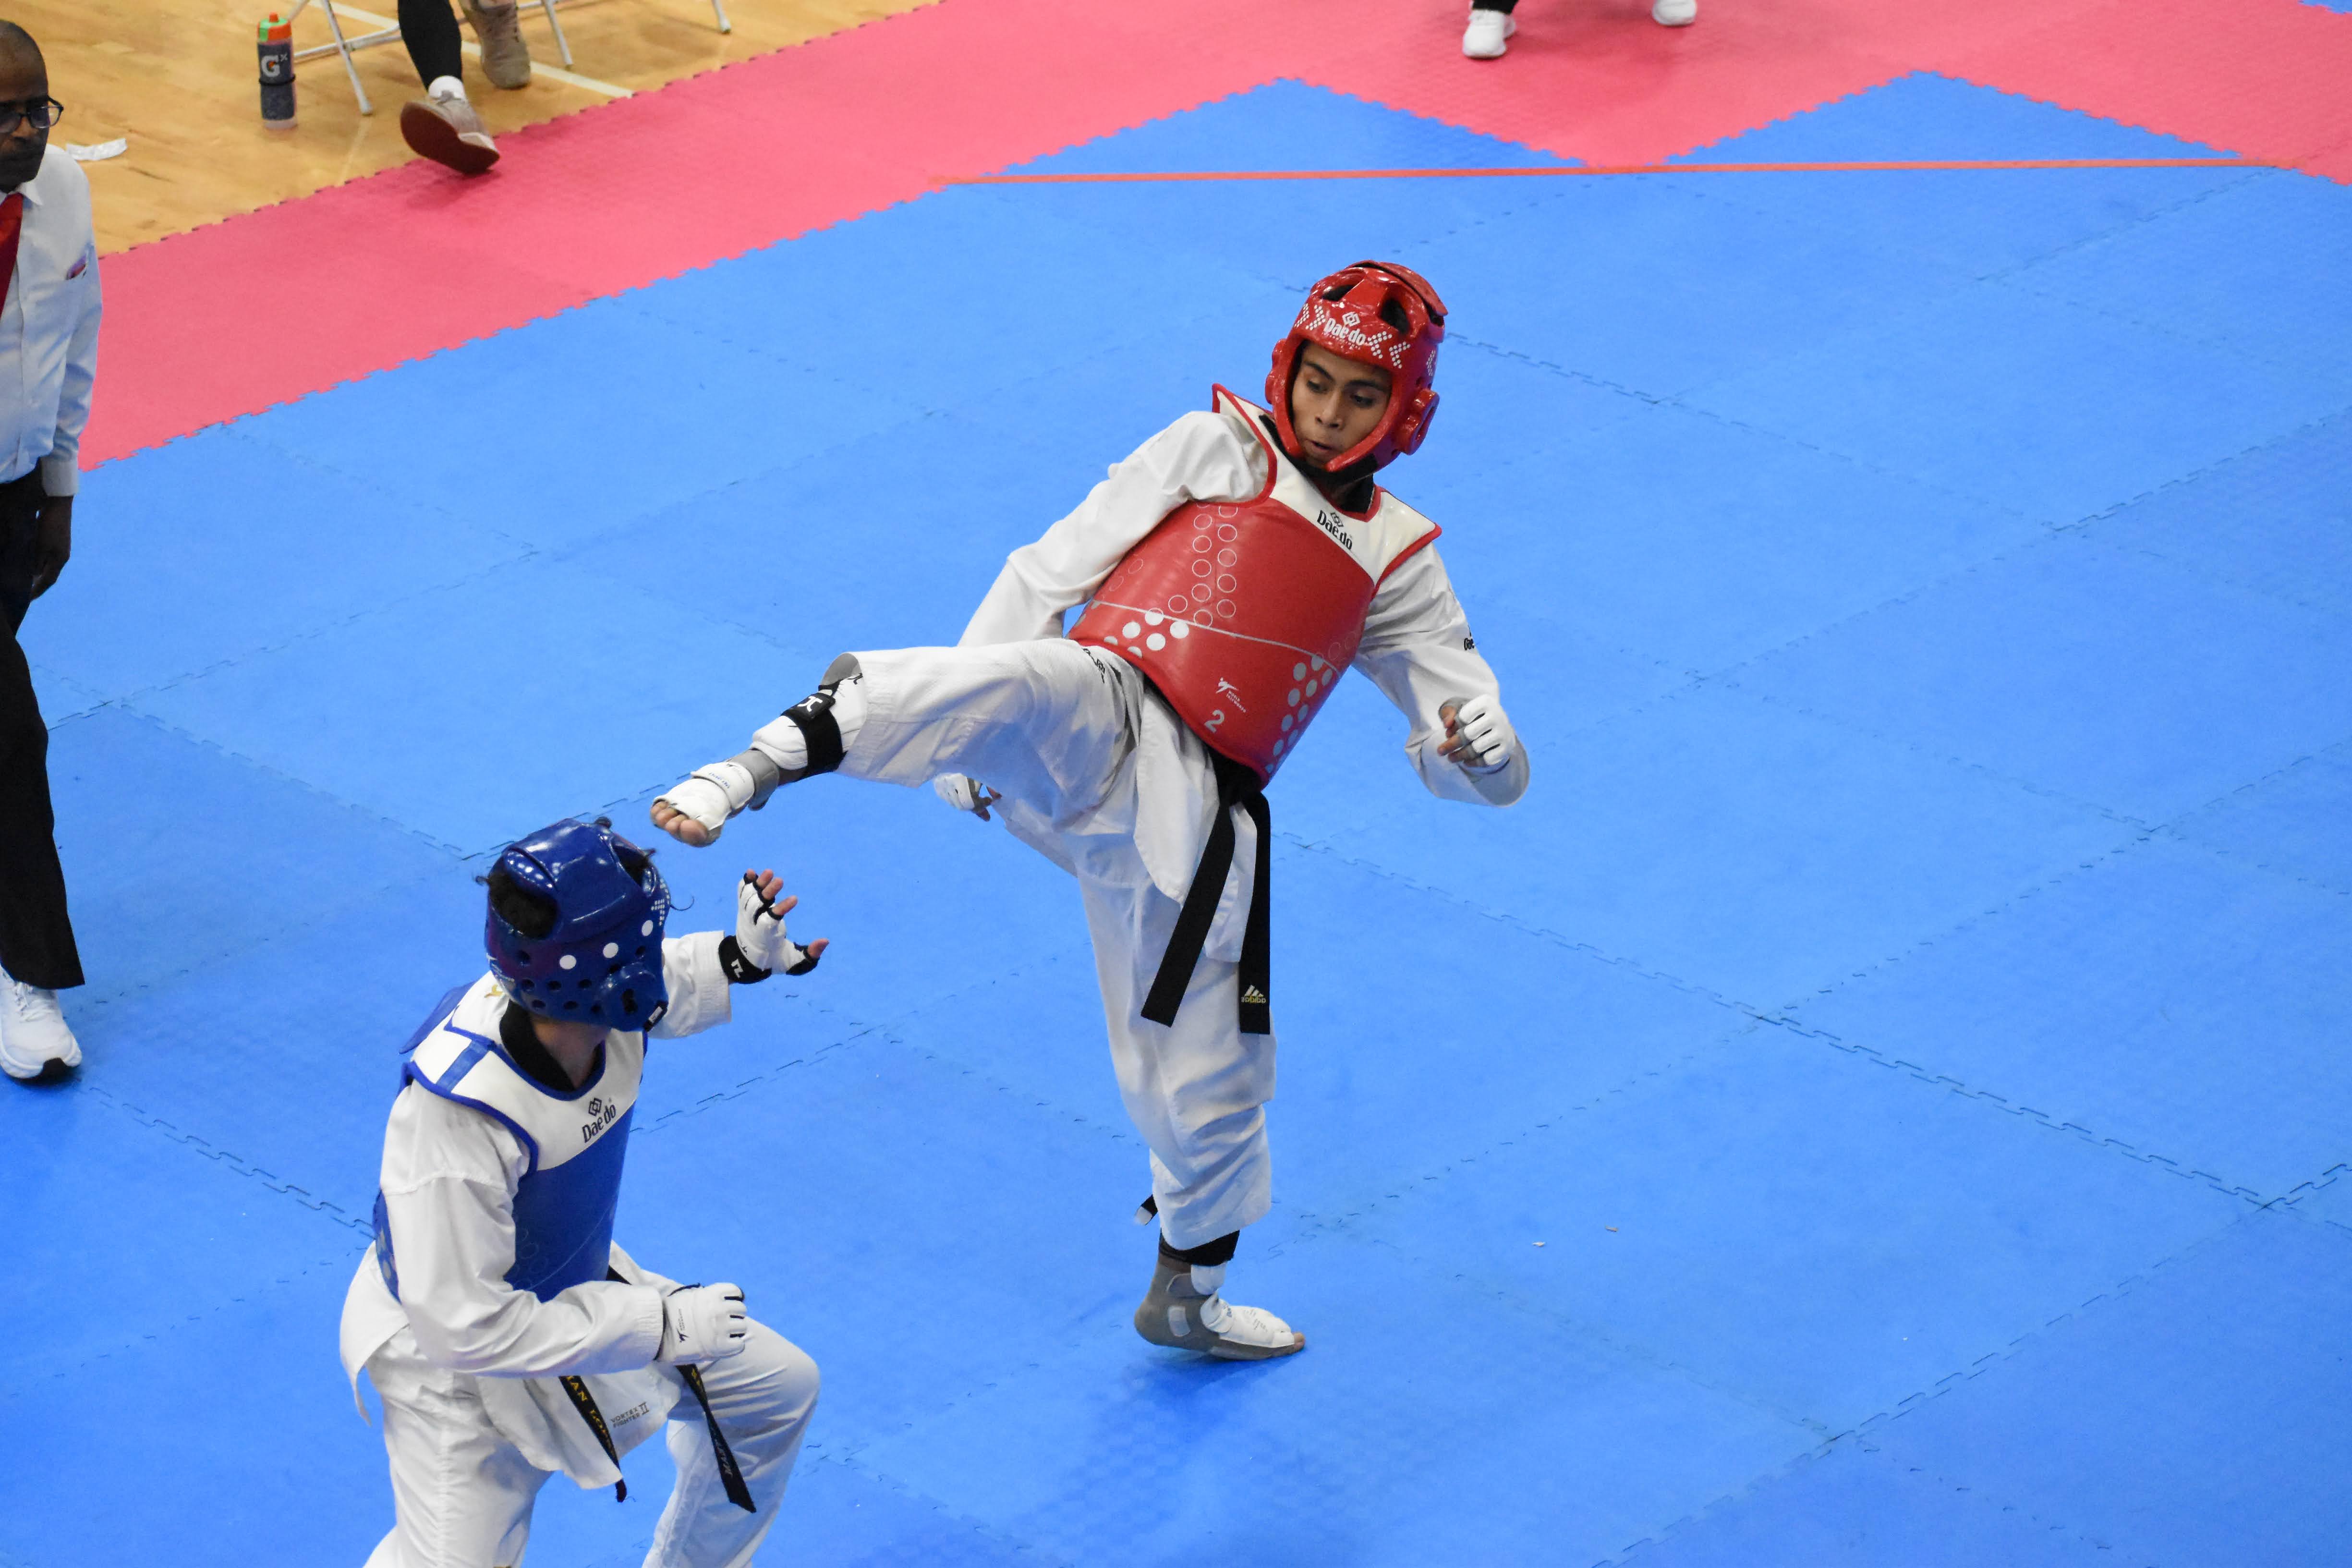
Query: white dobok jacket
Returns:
{"type": "Point", "coordinates": [1417, 647]}
{"type": "Point", "coordinates": [449, 1182]}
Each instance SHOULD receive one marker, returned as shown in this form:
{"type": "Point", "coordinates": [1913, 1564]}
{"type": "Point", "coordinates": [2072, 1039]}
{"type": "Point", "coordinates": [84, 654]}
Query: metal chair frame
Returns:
{"type": "Point", "coordinates": [345, 44]}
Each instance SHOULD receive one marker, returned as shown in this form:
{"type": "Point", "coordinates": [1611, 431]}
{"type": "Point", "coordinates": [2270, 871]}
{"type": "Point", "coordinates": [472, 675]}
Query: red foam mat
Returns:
{"type": "Point", "coordinates": [2270, 80]}
{"type": "Point", "coordinates": [230, 318]}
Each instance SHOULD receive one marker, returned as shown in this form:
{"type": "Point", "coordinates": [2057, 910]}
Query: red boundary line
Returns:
{"type": "Point", "coordinates": [1550, 170]}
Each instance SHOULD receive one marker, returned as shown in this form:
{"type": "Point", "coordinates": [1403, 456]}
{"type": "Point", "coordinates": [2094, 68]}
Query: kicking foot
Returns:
{"type": "Point", "coordinates": [506, 58]}
{"type": "Point", "coordinates": [35, 1047]}
{"type": "Point", "coordinates": [448, 131]}
{"type": "Point", "coordinates": [1484, 39]}
{"type": "Point", "coordinates": [1185, 1312]}
{"type": "Point", "coordinates": [1675, 13]}
{"type": "Point", "coordinates": [683, 825]}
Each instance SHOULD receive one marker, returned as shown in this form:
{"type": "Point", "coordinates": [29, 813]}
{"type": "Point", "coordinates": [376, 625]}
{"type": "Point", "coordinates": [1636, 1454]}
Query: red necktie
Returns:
{"type": "Point", "coordinates": [12, 223]}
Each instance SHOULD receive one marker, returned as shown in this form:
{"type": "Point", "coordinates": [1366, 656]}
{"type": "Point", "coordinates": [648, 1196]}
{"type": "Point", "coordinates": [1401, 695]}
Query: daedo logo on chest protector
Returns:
{"type": "Point", "coordinates": [1245, 614]}
{"type": "Point", "coordinates": [565, 1201]}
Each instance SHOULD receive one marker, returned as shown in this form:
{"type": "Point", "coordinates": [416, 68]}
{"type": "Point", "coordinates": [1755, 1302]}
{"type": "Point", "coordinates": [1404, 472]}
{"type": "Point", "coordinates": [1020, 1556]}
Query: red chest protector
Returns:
{"type": "Point", "coordinates": [1245, 613]}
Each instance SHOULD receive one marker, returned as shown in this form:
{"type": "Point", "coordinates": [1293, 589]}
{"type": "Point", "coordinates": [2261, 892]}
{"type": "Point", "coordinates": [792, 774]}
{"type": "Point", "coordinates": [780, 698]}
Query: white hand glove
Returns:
{"type": "Point", "coordinates": [760, 935]}
{"type": "Point", "coordinates": [703, 1324]}
{"type": "Point", "coordinates": [713, 795]}
{"type": "Point", "coordinates": [966, 794]}
{"type": "Point", "coordinates": [1483, 730]}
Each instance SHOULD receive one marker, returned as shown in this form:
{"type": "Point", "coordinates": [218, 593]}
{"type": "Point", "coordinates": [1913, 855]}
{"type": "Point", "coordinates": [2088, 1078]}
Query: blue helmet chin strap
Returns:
{"type": "Point", "coordinates": [601, 962]}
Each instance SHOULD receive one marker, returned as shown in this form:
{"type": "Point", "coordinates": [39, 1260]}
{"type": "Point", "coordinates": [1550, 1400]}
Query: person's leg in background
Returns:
{"type": "Point", "coordinates": [1491, 27]}
{"type": "Point", "coordinates": [37, 940]}
{"type": "Point", "coordinates": [443, 125]}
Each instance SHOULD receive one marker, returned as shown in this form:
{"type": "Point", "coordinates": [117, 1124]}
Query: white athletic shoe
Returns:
{"type": "Point", "coordinates": [1675, 13]}
{"type": "Point", "coordinates": [1483, 40]}
{"type": "Point", "coordinates": [1185, 1311]}
{"type": "Point", "coordinates": [35, 1044]}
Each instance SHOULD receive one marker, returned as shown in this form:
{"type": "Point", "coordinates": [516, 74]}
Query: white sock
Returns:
{"type": "Point", "coordinates": [1208, 1278]}
{"type": "Point", "coordinates": [445, 87]}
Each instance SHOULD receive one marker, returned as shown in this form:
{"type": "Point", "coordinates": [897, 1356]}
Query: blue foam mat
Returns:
{"type": "Point", "coordinates": [2165, 1424]}
{"type": "Point", "coordinates": [1760, 541]}
{"type": "Point", "coordinates": [525, 425]}
{"type": "Point", "coordinates": [1742, 478]}
{"type": "Point", "coordinates": [2089, 670]}
{"type": "Point", "coordinates": [218, 546]}
{"type": "Point", "coordinates": [2297, 821]}
{"type": "Point", "coordinates": [2184, 1005]}
{"type": "Point", "coordinates": [1985, 221]}
{"type": "Point", "coordinates": [1740, 289]}
{"type": "Point", "coordinates": [1818, 1234]}
{"type": "Point", "coordinates": [186, 1234]}
{"type": "Point", "coordinates": [1383, 1443]}
{"type": "Point", "coordinates": [210, 828]}
{"type": "Point", "coordinates": [141, 1468]}
{"type": "Point", "coordinates": [1820, 851]}
{"type": "Point", "coordinates": [2240, 268]}
{"type": "Point", "coordinates": [2277, 518]}
{"type": "Point", "coordinates": [478, 712]}
{"type": "Point", "coordinates": [1853, 1508]}
{"type": "Point", "coordinates": [2057, 410]}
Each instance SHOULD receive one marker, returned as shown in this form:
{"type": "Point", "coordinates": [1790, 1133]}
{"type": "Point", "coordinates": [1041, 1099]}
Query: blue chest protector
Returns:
{"type": "Point", "coordinates": [577, 1142]}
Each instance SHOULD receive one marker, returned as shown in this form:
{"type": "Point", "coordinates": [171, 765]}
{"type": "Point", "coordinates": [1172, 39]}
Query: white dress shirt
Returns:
{"type": "Point", "coordinates": [48, 329]}
{"type": "Point", "coordinates": [1417, 647]}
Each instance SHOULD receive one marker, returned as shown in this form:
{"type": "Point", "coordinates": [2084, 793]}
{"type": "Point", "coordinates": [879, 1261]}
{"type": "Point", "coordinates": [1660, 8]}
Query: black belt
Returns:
{"type": "Point", "coordinates": [1237, 789]}
{"type": "Point", "coordinates": [729, 1474]}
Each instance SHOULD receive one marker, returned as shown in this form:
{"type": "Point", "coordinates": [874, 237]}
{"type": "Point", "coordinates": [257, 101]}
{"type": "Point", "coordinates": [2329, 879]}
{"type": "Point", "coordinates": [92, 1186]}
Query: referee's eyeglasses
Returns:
{"type": "Point", "coordinates": [41, 114]}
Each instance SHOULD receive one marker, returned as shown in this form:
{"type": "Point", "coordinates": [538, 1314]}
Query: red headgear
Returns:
{"type": "Point", "coordinates": [1375, 313]}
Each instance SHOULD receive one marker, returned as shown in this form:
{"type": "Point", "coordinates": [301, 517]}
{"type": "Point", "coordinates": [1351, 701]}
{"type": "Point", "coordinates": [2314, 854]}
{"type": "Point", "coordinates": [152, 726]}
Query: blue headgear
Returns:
{"type": "Point", "coordinates": [601, 959]}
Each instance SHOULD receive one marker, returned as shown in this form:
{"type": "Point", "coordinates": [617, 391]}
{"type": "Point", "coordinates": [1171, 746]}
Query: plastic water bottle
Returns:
{"type": "Point", "coordinates": [278, 74]}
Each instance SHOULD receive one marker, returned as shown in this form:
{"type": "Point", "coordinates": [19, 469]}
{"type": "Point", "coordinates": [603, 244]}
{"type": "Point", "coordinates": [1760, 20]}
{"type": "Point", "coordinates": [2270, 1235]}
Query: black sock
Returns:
{"type": "Point", "coordinates": [1208, 1254]}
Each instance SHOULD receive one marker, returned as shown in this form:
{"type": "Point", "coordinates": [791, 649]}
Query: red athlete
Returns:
{"type": "Point", "coordinates": [1231, 568]}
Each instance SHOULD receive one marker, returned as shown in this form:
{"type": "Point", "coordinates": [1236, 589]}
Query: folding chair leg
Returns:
{"type": "Point", "coordinates": [562, 44]}
{"type": "Point", "coordinates": [344, 49]}
{"type": "Point", "coordinates": [724, 24]}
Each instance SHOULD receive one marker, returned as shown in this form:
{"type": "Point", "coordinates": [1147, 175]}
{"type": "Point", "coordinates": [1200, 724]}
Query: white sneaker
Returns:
{"type": "Point", "coordinates": [1483, 40]}
{"type": "Point", "coordinates": [34, 1043]}
{"type": "Point", "coordinates": [1675, 13]}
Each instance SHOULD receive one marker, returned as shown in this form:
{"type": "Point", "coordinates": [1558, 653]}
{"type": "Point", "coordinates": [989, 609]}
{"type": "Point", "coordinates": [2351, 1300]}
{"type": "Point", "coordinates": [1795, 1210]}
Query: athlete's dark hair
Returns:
{"type": "Point", "coordinates": [533, 914]}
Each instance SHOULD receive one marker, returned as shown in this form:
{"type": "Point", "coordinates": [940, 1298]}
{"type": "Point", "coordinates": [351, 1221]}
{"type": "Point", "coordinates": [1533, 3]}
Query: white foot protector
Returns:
{"type": "Point", "coordinates": [34, 1039]}
{"type": "Point", "coordinates": [1484, 39]}
{"type": "Point", "coordinates": [1185, 1311]}
{"type": "Point", "coordinates": [1675, 13]}
{"type": "Point", "coordinates": [710, 796]}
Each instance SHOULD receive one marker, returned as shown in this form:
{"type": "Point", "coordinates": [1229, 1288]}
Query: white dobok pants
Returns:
{"type": "Point", "coordinates": [463, 1495]}
{"type": "Point", "coordinates": [1102, 778]}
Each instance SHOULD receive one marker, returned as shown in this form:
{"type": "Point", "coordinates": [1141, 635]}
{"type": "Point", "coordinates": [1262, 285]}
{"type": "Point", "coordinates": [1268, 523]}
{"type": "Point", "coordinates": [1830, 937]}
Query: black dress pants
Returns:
{"type": "Point", "coordinates": [37, 940]}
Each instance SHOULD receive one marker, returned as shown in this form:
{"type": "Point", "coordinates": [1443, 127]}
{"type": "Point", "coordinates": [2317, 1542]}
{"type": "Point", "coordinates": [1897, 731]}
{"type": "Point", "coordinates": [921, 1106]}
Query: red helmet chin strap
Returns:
{"type": "Point", "coordinates": [1378, 313]}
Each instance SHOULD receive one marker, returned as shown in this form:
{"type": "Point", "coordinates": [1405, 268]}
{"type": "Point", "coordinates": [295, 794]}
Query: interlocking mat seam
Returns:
{"type": "Point", "coordinates": [1862, 1431]}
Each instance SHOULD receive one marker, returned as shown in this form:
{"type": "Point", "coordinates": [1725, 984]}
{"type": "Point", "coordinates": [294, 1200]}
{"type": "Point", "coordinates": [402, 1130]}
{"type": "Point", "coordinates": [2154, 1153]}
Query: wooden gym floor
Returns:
{"type": "Point", "coordinates": [181, 84]}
